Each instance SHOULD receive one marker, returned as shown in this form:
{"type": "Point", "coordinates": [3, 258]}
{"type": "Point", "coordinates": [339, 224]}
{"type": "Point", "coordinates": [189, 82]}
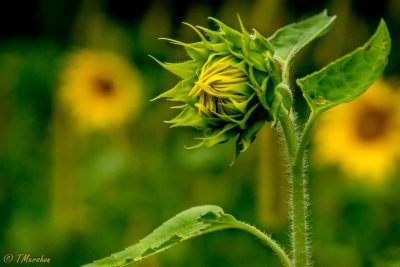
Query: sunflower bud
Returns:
{"type": "Point", "coordinates": [221, 89]}
{"type": "Point", "coordinates": [229, 88]}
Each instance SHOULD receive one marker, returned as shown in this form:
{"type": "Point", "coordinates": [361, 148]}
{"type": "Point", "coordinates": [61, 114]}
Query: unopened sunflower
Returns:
{"type": "Point", "coordinates": [363, 137]}
{"type": "Point", "coordinates": [230, 86]}
{"type": "Point", "coordinates": [100, 89]}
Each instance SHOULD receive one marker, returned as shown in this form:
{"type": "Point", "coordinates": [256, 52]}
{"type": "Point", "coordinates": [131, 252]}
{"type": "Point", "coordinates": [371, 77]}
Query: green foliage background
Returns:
{"type": "Point", "coordinates": [119, 186]}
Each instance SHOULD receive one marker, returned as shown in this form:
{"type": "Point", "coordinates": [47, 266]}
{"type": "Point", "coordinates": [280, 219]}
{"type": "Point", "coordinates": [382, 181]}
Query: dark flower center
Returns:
{"type": "Point", "coordinates": [103, 86]}
{"type": "Point", "coordinates": [373, 123]}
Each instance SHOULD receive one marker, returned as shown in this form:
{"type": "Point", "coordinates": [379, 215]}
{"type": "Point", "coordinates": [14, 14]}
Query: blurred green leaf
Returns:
{"type": "Point", "coordinates": [347, 78]}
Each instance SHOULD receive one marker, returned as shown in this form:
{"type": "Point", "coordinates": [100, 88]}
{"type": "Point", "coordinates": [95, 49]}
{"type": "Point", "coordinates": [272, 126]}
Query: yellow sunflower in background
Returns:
{"type": "Point", "coordinates": [362, 137]}
{"type": "Point", "coordinates": [100, 89]}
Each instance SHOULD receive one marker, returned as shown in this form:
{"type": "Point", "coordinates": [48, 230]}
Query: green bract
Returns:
{"type": "Point", "coordinates": [230, 86]}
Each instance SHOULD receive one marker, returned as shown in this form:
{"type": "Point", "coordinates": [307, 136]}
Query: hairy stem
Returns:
{"type": "Point", "coordinates": [267, 240]}
{"type": "Point", "coordinates": [299, 159]}
{"type": "Point", "coordinates": [298, 203]}
{"type": "Point", "coordinates": [298, 218]}
{"type": "Point", "coordinates": [289, 131]}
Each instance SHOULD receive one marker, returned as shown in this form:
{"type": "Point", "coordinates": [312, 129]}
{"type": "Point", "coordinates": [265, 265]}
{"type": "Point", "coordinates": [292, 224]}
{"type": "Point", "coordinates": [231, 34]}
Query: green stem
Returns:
{"type": "Point", "coordinates": [285, 72]}
{"type": "Point", "coordinates": [267, 240]}
{"type": "Point", "coordinates": [301, 244]}
{"type": "Point", "coordinates": [298, 217]}
{"type": "Point", "coordinates": [298, 203]}
{"type": "Point", "coordinates": [289, 131]}
{"type": "Point", "coordinates": [299, 159]}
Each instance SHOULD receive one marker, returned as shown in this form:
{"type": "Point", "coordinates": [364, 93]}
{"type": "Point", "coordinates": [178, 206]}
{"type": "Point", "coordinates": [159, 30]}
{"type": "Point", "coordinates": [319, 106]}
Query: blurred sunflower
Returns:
{"type": "Point", "coordinates": [100, 89]}
{"type": "Point", "coordinates": [362, 137]}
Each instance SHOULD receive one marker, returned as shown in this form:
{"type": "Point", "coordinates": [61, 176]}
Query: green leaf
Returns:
{"type": "Point", "coordinates": [188, 117]}
{"type": "Point", "coordinates": [184, 70]}
{"type": "Point", "coordinates": [216, 136]}
{"type": "Point", "coordinates": [214, 36]}
{"type": "Point", "coordinates": [195, 51]}
{"type": "Point", "coordinates": [247, 137]}
{"type": "Point", "coordinates": [178, 93]}
{"type": "Point", "coordinates": [347, 78]}
{"type": "Point", "coordinates": [185, 225]}
{"type": "Point", "coordinates": [261, 42]}
{"type": "Point", "coordinates": [288, 40]}
{"type": "Point", "coordinates": [230, 34]}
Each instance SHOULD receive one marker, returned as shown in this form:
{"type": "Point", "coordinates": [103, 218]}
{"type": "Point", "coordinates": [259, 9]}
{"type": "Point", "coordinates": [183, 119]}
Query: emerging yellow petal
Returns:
{"type": "Point", "coordinates": [215, 87]}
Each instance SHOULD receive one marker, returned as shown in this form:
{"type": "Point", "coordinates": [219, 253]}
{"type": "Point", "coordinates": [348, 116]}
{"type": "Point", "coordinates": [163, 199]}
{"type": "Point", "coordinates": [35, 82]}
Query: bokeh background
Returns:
{"type": "Point", "coordinates": [87, 173]}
